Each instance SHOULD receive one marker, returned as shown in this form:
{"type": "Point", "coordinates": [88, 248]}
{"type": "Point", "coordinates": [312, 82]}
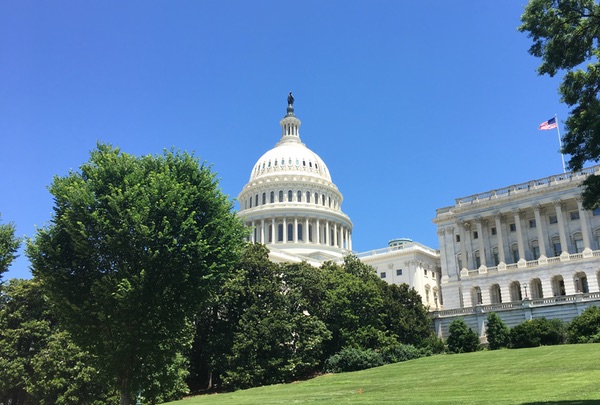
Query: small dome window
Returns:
{"type": "Point", "coordinates": [316, 167]}
{"type": "Point", "coordinates": [263, 166]}
{"type": "Point", "coordinates": [282, 162]}
{"type": "Point", "coordinates": [269, 165]}
{"type": "Point", "coordinates": [290, 161]}
{"type": "Point", "coordinates": [275, 162]}
{"type": "Point", "coordinates": [303, 163]}
{"type": "Point", "coordinates": [309, 163]}
{"type": "Point", "coordinates": [297, 162]}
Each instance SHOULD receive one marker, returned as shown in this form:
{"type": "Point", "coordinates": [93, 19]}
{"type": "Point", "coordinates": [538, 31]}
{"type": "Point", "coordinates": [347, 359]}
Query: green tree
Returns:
{"type": "Point", "coordinates": [498, 334]}
{"type": "Point", "coordinates": [461, 338]}
{"type": "Point", "coordinates": [585, 328]}
{"type": "Point", "coordinates": [565, 35]}
{"type": "Point", "coordinates": [135, 248]}
{"type": "Point", "coordinates": [538, 332]}
{"type": "Point", "coordinates": [39, 363]}
{"type": "Point", "coordinates": [9, 244]}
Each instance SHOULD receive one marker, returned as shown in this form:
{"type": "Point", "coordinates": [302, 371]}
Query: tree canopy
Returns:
{"type": "Point", "coordinates": [566, 35]}
{"type": "Point", "coordinates": [135, 247]}
{"type": "Point", "coordinates": [9, 244]}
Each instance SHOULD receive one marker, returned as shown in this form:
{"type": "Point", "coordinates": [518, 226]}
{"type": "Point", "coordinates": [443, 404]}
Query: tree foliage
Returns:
{"type": "Point", "coordinates": [9, 244]}
{"type": "Point", "coordinates": [585, 328]}
{"type": "Point", "coordinates": [39, 363]}
{"type": "Point", "coordinates": [538, 332]}
{"type": "Point", "coordinates": [135, 247]}
{"type": "Point", "coordinates": [462, 339]}
{"type": "Point", "coordinates": [498, 334]}
{"type": "Point", "coordinates": [566, 35]}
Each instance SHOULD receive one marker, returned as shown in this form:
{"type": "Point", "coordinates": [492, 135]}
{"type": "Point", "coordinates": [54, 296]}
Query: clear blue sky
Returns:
{"type": "Point", "coordinates": [410, 104]}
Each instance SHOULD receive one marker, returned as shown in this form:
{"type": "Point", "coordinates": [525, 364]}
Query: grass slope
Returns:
{"type": "Point", "coordinates": [568, 374]}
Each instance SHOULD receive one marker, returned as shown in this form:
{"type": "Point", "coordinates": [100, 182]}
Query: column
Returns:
{"type": "Point", "coordinates": [470, 263]}
{"type": "Point", "coordinates": [585, 229]}
{"type": "Point", "coordinates": [498, 220]}
{"type": "Point", "coordinates": [318, 231]}
{"type": "Point", "coordinates": [306, 231]}
{"type": "Point", "coordinates": [517, 214]}
{"type": "Point", "coordinates": [262, 231]}
{"type": "Point", "coordinates": [463, 250]}
{"type": "Point", "coordinates": [252, 238]}
{"type": "Point", "coordinates": [540, 225]}
{"type": "Point", "coordinates": [273, 231]}
{"type": "Point", "coordinates": [335, 235]}
{"type": "Point", "coordinates": [561, 227]}
{"type": "Point", "coordinates": [295, 230]}
{"type": "Point", "coordinates": [350, 240]}
{"type": "Point", "coordinates": [479, 221]}
{"type": "Point", "coordinates": [284, 230]}
{"type": "Point", "coordinates": [327, 236]}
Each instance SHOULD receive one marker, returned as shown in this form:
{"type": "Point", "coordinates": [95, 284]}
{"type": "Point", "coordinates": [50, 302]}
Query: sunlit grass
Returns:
{"type": "Point", "coordinates": [568, 373]}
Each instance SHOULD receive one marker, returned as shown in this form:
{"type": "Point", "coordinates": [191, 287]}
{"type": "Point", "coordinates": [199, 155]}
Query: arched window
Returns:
{"type": "Point", "coordinates": [495, 256]}
{"type": "Point", "coordinates": [535, 249]}
{"type": "Point", "coordinates": [300, 236]}
{"type": "Point", "coordinates": [558, 286]}
{"type": "Point", "coordinates": [290, 195]}
{"type": "Point", "coordinates": [578, 242]}
{"type": "Point", "coordinates": [495, 295]}
{"type": "Point", "coordinates": [535, 286]}
{"type": "Point", "coordinates": [477, 260]}
{"type": "Point", "coordinates": [280, 195]}
{"type": "Point", "coordinates": [270, 233]}
{"type": "Point", "coordinates": [264, 198]}
{"type": "Point", "coordinates": [581, 283]}
{"type": "Point", "coordinates": [323, 199]}
{"type": "Point", "coordinates": [280, 233]}
{"type": "Point", "coordinates": [299, 196]}
{"type": "Point", "coordinates": [316, 198]}
{"type": "Point", "coordinates": [310, 233]}
{"type": "Point", "coordinates": [308, 196]}
{"type": "Point", "coordinates": [476, 298]}
{"type": "Point", "coordinates": [250, 202]}
{"type": "Point", "coordinates": [514, 250]}
{"type": "Point", "coordinates": [272, 197]}
{"type": "Point", "coordinates": [290, 232]}
{"type": "Point", "coordinates": [256, 200]}
{"type": "Point", "coordinates": [556, 246]}
{"type": "Point", "coordinates": [515, 291]}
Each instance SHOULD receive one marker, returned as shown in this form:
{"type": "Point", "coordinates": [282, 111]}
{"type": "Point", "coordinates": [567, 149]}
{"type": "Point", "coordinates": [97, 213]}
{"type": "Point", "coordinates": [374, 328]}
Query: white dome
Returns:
{"type": "Point", "coordinates": [290, 156]}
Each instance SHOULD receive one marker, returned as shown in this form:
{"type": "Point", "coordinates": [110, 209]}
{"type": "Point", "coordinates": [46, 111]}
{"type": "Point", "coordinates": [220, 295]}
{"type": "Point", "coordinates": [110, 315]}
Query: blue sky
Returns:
{"type": "Point", "coordinates": [410, 104]}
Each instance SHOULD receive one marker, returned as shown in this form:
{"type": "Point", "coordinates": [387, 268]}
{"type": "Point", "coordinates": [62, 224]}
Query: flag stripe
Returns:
{"type": "Point", "coordinates": [550, 124]}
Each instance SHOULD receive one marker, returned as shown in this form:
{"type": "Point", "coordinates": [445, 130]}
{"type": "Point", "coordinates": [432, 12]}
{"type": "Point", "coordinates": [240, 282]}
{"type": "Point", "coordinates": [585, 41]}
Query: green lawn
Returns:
{"type": "Point", "coordinates": [568, 374]}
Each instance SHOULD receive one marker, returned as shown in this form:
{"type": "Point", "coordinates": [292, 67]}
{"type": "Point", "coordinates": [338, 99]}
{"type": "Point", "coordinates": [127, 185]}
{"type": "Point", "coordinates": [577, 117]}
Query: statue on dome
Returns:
{"type": "Point", "coordinates": [290, 99]}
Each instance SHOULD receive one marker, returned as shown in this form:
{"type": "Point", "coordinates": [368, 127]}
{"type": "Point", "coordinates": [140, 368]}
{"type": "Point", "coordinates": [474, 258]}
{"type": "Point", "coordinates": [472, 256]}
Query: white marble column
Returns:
{"type": "Point", "coordinates": [519, 230]}
{"type": "Point", "coordinates": [262, 231]}
{"type": "Point", "coordinates": [273, 232]}
{"type": "Point", "coordinates": [540, 225]}
{"type": "Point", "coordinates": [318, 231]}
{"type": "Point", "coordinates": [561, 227]}
{"type": "Point", "coordinates": [327, 236]}
{"type": "Point", "coordinates": [585, 229]}
{"type": "Point", "coordinates": [295, 230]}
{"type": "Point", "coordinates": [498, 220]}
{"type": "Point", "coordinates": [479, 221]}
{"type": "Point", "coordinates": [463, 249]}
{"type": "Point", "coordinates": [284, 230]}
{"type": "Point", "coordinates": [306, 235]}
{"type": "Point", "coordinates": [335, 234]}
{"type": "Point", "coordinates": [252, 236]}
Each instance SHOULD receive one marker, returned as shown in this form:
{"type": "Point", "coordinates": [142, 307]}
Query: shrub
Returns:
{"type": "Point", "coordinates": [353, 359]}
{"type": "Point", "coordinates": [538, 332]}
{"type": "Point", "coordinates": [434, 344]}
{"type": "Point", "coordinates": [462, 339]}
{"type": "Point", "coordinates": [498, 335]}
{"type": "Point", "coordinates": [585, 328]}
{"type": "Point", "coordinates": [401, 352]}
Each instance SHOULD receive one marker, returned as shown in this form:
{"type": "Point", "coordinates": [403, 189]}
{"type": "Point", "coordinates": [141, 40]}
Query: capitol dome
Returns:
{"type": "Point", "coordinates": [290, 201]}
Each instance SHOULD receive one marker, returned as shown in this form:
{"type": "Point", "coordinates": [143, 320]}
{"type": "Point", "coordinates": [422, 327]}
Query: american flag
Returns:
{"type": "Point", "coordinates": [550, 124]}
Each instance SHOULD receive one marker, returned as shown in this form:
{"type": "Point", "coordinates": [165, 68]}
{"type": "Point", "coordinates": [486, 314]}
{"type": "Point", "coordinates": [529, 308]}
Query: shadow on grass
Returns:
{"type": "Point", "coordinates": [581, 402]}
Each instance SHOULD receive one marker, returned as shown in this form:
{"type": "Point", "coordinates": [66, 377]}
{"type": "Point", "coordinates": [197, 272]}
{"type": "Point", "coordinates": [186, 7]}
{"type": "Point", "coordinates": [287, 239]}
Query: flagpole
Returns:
{"type": "Point", "coordinates": [560, 144]}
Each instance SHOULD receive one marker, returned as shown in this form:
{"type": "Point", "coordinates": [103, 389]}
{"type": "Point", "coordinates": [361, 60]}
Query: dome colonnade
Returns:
{"type": "Point", "coordinates": [290, 201]}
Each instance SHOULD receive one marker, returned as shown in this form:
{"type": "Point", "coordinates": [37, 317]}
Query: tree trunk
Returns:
{"type": "Point", "coordinates": [209, 380]}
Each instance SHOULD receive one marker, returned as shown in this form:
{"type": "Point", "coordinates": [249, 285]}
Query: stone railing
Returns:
{"type": "Point", "coordinates": [405, 246]}
{"type": "Point", "coordinates": [521, 188]}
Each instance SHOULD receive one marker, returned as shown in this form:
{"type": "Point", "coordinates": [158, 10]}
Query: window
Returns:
{"type": "Point", "coordinates": [272, 200]}
{"type": "Point", "coordinates": [475, 235]}
{"type": "Point", "coordinates": [512, 227]}
{"type": "Point", "coordinates": [280, 196]}
{"type": "Point", "coordinates": [290, 232]}
{"type": "Point", "coordinates": [579, 245]}
{"type": "Point", "coordinates": [532, 223]}
{"type": "Point", "coordinates": [382, 274]}
{"type": "Point", "coordinates": [300, 232]}
{"type": "Point", "coordinates": [557, 248]}
{"type": "Point", "coordinates": [596, 211]}
{"type": "Point", "coordinates": [425, 272]}
{"type": "Point", "coordinates": [264, 198]}
{"type": "Point", "coordinates": [458, 238]}
{"type": "Point", "coordinates": [290, 195]}
{"type": "Point", "coordinates": [493, 230]}
{"type": "Point", "coordinates": [399, 272]}
{"type": "Point", "coordinates": [280, 233]}
{"type": "Point", "coordinates": [553, 219]}
{"type": "Point", "coordinates": [515, 254]}
{"type": "Point", "coordinates": [308, 196]}
{"type": "Point", "coordinates": [574, 215]}
{"type": "Point", "coordinates": [256, 200]}
{"type": "Point", "coordinates": [496, 257]}
{"type": "Point", "coordinates": [536, 252]}
{"type": "Point", "coordinates": [323, 199]}
{"type": "Point", "coordinates": [299, 194]}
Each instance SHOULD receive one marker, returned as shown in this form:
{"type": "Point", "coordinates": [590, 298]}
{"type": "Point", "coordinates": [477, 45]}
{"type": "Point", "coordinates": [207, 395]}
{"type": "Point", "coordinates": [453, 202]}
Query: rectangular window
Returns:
{"type": "Point", "coordinates": [553, 219]}
{"type": "Point", "coordinates": [512, 227]}
{"type": "Point", "coordinates": [425, 272]}
{"type": "Point", "coordinates": [475, 235]}
{"type": "Point", "coordinates": [532, 223]}
{"type": "Point", "coordinates": [399, 272]}
{"type": "Point", "coordinates": [574, 215]}
{"type": "Point", "coordinates": [557, 248]}
{"type": "Point", "coordinates": [579, 245]}
{"type": "Point", "coordinates": [596, 211]}
{"type": "Point", "coordinates": [458, 238]}
{"type": "Point", "coordinates": [536, 252]}
{"type": "Point", "coordinates": [383, 274]}
{"type": "Point", "coordinates": [493, 230]}
{"type": "Point", "coordinates": [496, 259]}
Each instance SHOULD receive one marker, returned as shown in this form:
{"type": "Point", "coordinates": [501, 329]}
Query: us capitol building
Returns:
{"type": "Point", "coordinates": [525, 251]}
